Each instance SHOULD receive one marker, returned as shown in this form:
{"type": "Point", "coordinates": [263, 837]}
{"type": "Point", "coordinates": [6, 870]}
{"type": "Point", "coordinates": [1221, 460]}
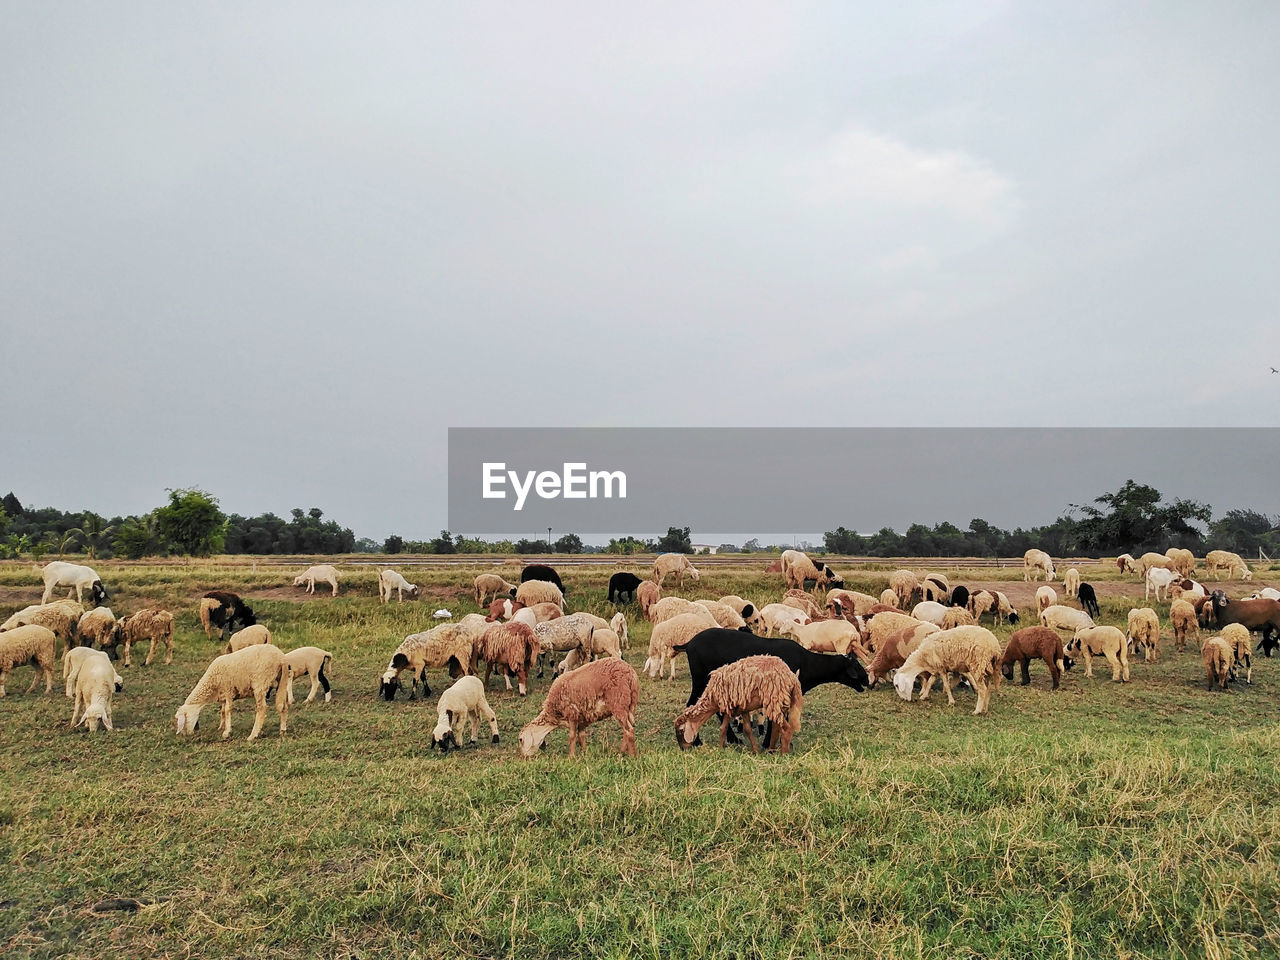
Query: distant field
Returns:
{"type": "Point", "coordinates": [1102, 820]}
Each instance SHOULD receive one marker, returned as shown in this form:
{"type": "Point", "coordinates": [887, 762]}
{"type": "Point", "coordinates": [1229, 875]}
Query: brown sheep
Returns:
{"type": "Point", "coordinates": [761, 683]}
{"type": "Point", "coordinates": [647, 594]}
{"type": "Point", "coordinates": [510, 646]}
{"type": "Point", "coordinates": [594, 692]}
{"type": "Point", "coordinates": [1031, 643]}
{"type": "Point", "coordinates": [1182, 615]}
{"type": "Point", "coordinates": [153, 625]}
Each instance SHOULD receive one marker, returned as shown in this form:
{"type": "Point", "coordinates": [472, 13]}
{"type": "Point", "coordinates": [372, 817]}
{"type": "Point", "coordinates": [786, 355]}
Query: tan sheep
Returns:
{"type": "Point", "coordinates": [804, 603]}
{"type": "Point", "coordinates": [666, 564]}
{"type": "Point", "coordinates": [152, 625]}
{"type": "Point", "coordinates": [449, 646]}
{"type": "Point", "coordinates": [851, 603]}
{"type": "Point", "coordinates": [60, 616]}
{"type": "Point", "coordinates": [724, 614]}
{"type": "Point", "coordinates": [597, 691]}
{"type": "Point", "coordinates": [665, 636]}
{"type": "Point", "coordinates": [239, 640]}
{"type": "Point", "coordinates": [737, 689]}
{"type": "Point", "coordinates": [904, 584]}
{"type": "Point", "coordinates": [1184, 561]}
{"type": "Point", "coordinates": [669, 607]}
{"type": "Point", "coordinates": [98, 628]}
{"type": "Point", "coordinates": [797, 568]}
{"type": "Point", "coordinates": [1127, 564]}
{"type": "Point", "coordinates": [884, 625]}
{"type": "Point", "coordinates": [971, 651]}
{"type": "Point", "coordinates": [1071, 582]}
{"type": "Point", "coordinates": [1144, 633]}
{"type": "Point", "coordinates": [890, 599]}
{"type": "Point", "coordinates": [322, 573]}
{"type": "Point", "coordinates": [539, 591]}
{"type": "Point", "coordinates": [831, 636]}
{"type": "Point", "coordinates": [980, 602]}
{"type": "Point", "coordinates": [1066, 619]}
{"type": "Point", "coordinates": [1237, 637]}
{"type": "Point", "coordinates": [490, 586]}
{"type": "Point", "coordinates": [95, 682]}
{"type": "Point", "coordinates": [1108, 642]}
{"type": "Point", "coordinates": [604, 643]}
{"type": "Point", "coordinates": [956, 617]}
{"type": "Point", "coordinates": [30, 643]}
{"type": "Point", "coordinates": [647, 594]}
{"type": "Point", "coordinates": [312, 661]}
{"type": "Point", "coordinates": [1216, 560]}
{"type": "Point", "coordinates": [1150, 560]}
{"type": "Point", "coordinates": [1046, 596]}
{"type": "Point", "coordinates": [1182, 616]}
{"type": "Point", "coordinates": [1218, 661]}
{"type": "Point", "coordinates": [1036, 562]}
{"type": "Point", "coordinates": [251, 672]}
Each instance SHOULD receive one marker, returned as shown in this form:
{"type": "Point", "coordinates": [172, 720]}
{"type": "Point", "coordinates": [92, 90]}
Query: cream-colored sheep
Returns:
{"type": "Point", "coordinates": [1046, 596]}
{"type": "Point", "coordinates": [804, 603]}
{"type": "Point", "coordinates": [1216, 560]}
{"type": "Point", "coordinates": [464, 703]}
{"type": "Point", "coordinates": [1218, 661]}
{"type": "Point", "coordinates": [60, 616]}
{"type": "Point", "coordinates": [389, 580]}
{"type": "Point", "coordinates": [1182, 616]}
{"type": "Point", "coordinates": [904, 584]}
{"type": "Point", "coordinates": [490, 586]}
{"type": "Point", "coordinates": [980, 602]}
{"type": "Point", "coordinates": [890, 599]}
{"type": "Point", "coordinates": [242, 638]}
{"type": "Point", "coordinates": [29, 643]}
{"type": "Point", "coordinates": [1065, 619]}
{"type": "Point", "coordinates": [321, 573]}
{"type": "Point", "coordinates": [1144, 633]}
{"type": "Point", "coordinates": [723, 614]}
{"type": "Point", "coordinates": [153, 626]}
{"type": "Point", "coordinates": [797, 568]}
{"type": "Point", "coordinates": [780, 619]}
{"type": "Point", "coordinates": [597, 691]}
{"type": "Point", "coordinates": [831, 636]}
{"type": "Point", "coordinates": [971, 651]}
{"type": "Point", "coordinates": [1037, 562]}
{"type": "Point", "coordinates": [679, 630]}
{"type": "Point", "coordinates": [97, 627]}
{"type": "Point", "coordinates": [539, 591]}
{"type": "Point", "coordinates": [666, 564]}
{"type": "Point", "coordinates": [1236, 636]}
{"type": "Point", "coordinates": [604, 643]}
{"type": "Point", "coordinates": [930, 611]}
{"type": "Point", "coordinates": [1150, 560]}
{"type": "Point", "coordinates": [935, 587]}
{"type": "Point", "coordinates": [739, 688]}
{"type": "Point", "coordinates": [956, 617]}
{"type": "Point", "coordinates": [450, 646]}
{"type": "Point", "coordinates": [250, 672]}
{"type": "Point", "coordinates": [1071, 582]}
{"type": "Point", "coordinates": [72, 661]}
{"type": "Point", "coordinates": [95, 682]}
{"type": "Point", "coordinates": [669, 607]}
{"type": "Point", "coordinates": [1189, 590]}
{"type": "Point", "coordinates": [1108, 642]}
{"type": "Point", "coordinates": [647, 594]}
{"type": "Point", "coordinates": [1184, 561]}
{"type": "Point", "coordinates": [311, 661]}
{"type": "Point", "coordinates": [841, 602]}
{"type": "Point", "coordinates": [59, 573]}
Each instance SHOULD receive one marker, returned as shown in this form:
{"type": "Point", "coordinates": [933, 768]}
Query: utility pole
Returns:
{"type": "Point", "coordinates": [550, 549]}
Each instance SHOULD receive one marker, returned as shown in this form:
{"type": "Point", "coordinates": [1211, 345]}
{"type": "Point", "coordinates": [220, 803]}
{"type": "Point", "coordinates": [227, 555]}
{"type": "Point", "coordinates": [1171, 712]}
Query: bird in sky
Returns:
{"type": "Point", "coordinates": [1274, 370]}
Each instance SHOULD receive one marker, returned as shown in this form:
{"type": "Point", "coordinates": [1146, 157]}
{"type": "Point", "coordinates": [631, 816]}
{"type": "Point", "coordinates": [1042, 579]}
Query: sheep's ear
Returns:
{"type": "Point", "coordinates": [449, 715]}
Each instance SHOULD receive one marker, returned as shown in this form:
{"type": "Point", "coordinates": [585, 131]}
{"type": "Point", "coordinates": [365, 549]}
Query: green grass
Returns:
{"type": "Point", "coordinates": [1102, 820]}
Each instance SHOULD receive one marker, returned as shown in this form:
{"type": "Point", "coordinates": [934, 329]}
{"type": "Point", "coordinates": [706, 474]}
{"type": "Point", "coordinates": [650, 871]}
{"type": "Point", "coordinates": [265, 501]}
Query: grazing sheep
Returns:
{"type": "Point", "coordinates": [463, 703]}
{"type": "Point", "coordinates": [504, 608]}
{"type": "Point", "coordinates": [539, 591]}
{"type": "Point", "coordinates": [980, 601]}
{"type": "Point", "coordinates": [623, 585]}
{"type": "Point", "coordinates": [935, 587]}
{"type": "Point", "coordinates": [971, 651]}
{"type": "Point", "coordinates": [1256, 615]}
{"type": "Point", "coordinates": [1071, 583]}
{"type": "Point", "coordinates": [1109, 642]}
{"type": "Point", "coordinates": [890, 599]}
{"type": "Point", "coordinates": [1127, 564]}
{"type": "Point", "coordinates": [1159, 578]}
{"type": "Point", "coordinates": [449, 646]}
{"type": "Point", "coordinates": [225, 611]}
{"type": "Point", "coordinates": [669, 607]}
{"type": "Point", "coordinates": [490, 586]}
{"type": "Point", "coordinates": [1184, 561]}
{"type": "Point", "coordinates": [541, 612]}
{"type": "Point", "coordinates": [595, 692]}
{"type": "Point", "coordinates": [511, 647]}
{"type": "Point", "coordinates": [151, 625]}
{"type": "Point", "coordinates": [881, 626]}
{"type": "Point", "coordinates": [1046, 596]}
{"type": "Point", "coordinates": [1238, 639]}
{"type": "Point", "coordinates": [561, 635]}
{"type": "Point", "coordinates": [851, 603]}
{"type": "Point", "coordinates": [242, 638]}
{"type": "Point", "coordinates": [896, 648]}
{"type": "Point", "coordinates": [1088, 599]}
{"type": "Point", "coordinates": [668, 634]}
{"type": "Point", "coordinates": [30, 643]}
{"type": "Point", "coordinates": [322, 573]}
{"type": "Point", "coordinates": [251, 672]}
{"type": "Point", "coordinates": [744, 608]}
{"type": "Point", "coordinates": [1217, 661]}
{"type": "Point", "coordinates": [904, 584]}
{"type": "Point", "coordinates": [797, 568]}
{"type": "Point", "coordinates": [1182, 615]}
{"type": "Point", "coordinates": [781, 619]}
{"type": "Point", "coordinates": [304, 661]}
{"type": "Point", "coordinates": [647, 594]}
{"type": "Point", "coordinates": [540, 571]}
{"type": "Point", "coordinates": [724, 614]}
{"type": "Point", "coordinates": [389, 580]}
{"type": "Point", "coordinates": [604, 643]}
{"type": "Point", "coordinates": [60, 616]}
{"type": "Point", "coordinates": [1186, 590]}
{"type": "Point", "coordinates": [59, 573]}
{"type": "Point", "coordinates": [666, 564]}
{"type": "Point", "coordinates": [618, 624]}
{"type": "Point", "coordinates": [1266, 593]}
{"type": "Point", "coordinates": [831, 636]}
{"type": "Point", "coordinates": [1216, 560]}
{"type": "Point", "coordinates": [956, 617]}
{"type": "Point", "coordinates": [1065, 618]}
{"type": "Point", "coordinates": [930, 611]}
{"type": "Point", "coordinates": [96, 681]}
{"type": "Point", "coordinates": [1037, 562]}
{"type": "Point", "coordinates": [763, 683]}
{"type": "Point", "coordinates": [1004, 609]}
{"type": "Point", "coordinates": [72, 661]}
{"type": "Point", "coordinates": [804, 603]}
{"type": "Point", "coordinates": [97, 627]}
{"type": "Point", "coordinates": [1032, 643]}
{"type": "Point", "coordinates": [1151, 560]}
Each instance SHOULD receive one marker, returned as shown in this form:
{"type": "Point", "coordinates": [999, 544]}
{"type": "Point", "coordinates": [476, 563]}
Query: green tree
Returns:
{"type": "Point", "coordinates": [393, 544]}
{"type": "Point", "coordinates": [192, 522]}
{"type": "Point", "coordinates": [12, 506]}
{"type": "Point", "coordinates": [1244, 531]}
{"type": "Point", "coordinates": [93, 532]}
{"type": "Point", "coordinates": [139, 537]}
{"type": "Point", "coordinates": [676, 540]}
{"type": "Point", "coordinates": [443, 543]}
{"type": "Point", "coordinates": [569, 543]}
{"type": "Point", "coordinates": [1134, 520]}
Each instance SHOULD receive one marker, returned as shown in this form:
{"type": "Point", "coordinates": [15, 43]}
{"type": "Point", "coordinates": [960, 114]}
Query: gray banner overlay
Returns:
{"type": "Point", "coordinates": [784, 480]}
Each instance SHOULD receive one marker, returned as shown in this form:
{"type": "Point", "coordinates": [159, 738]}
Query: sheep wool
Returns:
{"type": "Point", "coordinates": [450, 646]}
{"type": "Point", "coordinates": [323, 573]}
{"type": "Point", "coordinates": [669, 607]}
{"type": "Point", "coordinates": [1237, 637]}
{"type": "Point", "coordinates": [250, 672]}
{"type": "Point", "coordinates": [490, 586]}
{"type": "Point", "coordinates": [763, 683]}
{"type": "Point", "coordinates": [1182, 616]}
{"type": "Point", "coordinates": [1144, 633]}
{"type": "Point", "coordinates": [60, 616]}
{"type": "Point", "coordinates": [1067, 619]}
{"type": "Point", "coordinates": [511, 647]}
{"type": "Point", "coordinates": [247, 638]}
{"type": "Point", "coordinates": [1216, 560]}
{"type": "Point", "coordinates": [1037, 562]}
{"type": "Point", "coordinates": [597, 691]}
{"type": "Point", "coordinates": [464, 703]}
{"type": "Point", "coordinates": [971, 651]}
{"type": "Point", "coordinates": [647, 594]}
{"type": "Point", "coordinates": [1046, 596]}
{"type": "Point", "coordinates": [895, 649]}
{"type": "Point", "coordinates": [96, 681]}
{"type": "Point", "coordinates": [1105, 641]}
{"type": "Point", "coordinates": [1217, 661]}
{"type": "Point", "coordinates": [904, 584]}
{"type": "Point", "coordinates": [313, 662]}
{"type": "Point", "coordinates": [30, 643]}
{"type": "Point", "coordinates": [890, 599]}
{"type": "Point", "coordinates": [539, 591]}
{"type": "Point", "coordinates": [956, 617]}
{"type": "Point", "coordinates": [666, 564]}
{"type": "Point", "coordinates": [668, 634]}
{"type": "Point", "coordinates": [1071, 582]}
{"type": "Point", "coordinates": [781, 619]}
{"type": "Point", "coordinates": [97, 628]}
{"type": "Point", "coordinates": [1184, 561]}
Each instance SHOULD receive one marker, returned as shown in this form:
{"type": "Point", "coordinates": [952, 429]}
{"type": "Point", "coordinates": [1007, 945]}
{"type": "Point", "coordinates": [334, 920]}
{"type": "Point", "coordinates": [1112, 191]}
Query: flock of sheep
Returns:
{"type": "Point", "coordinates": [748, 663]}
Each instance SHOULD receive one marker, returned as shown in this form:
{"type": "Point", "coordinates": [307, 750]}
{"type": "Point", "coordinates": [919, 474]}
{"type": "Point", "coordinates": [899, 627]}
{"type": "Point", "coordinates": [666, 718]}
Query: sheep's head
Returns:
{"type": "Point", "coordinates": [903, 681]}
{"type": "Point", "coordinates": [390, 683]}
{"type": "Point", "coordinates": [855, 674]}
{"type": "Point", "coordinates": [686, 730]}
{"type": "Point", "coordinates": [693, 572]}
{"type": "Point", "coordinates": [532, 738]}
{"type": "Point", "coordinates": [119, 683]}
{"type": "Point", "coordinates": [443, 737]}
{"type": "Point", "coordinates": [98, 593]}
{"type": "Point", "coordinates": [299, 580]}
{"type": "Point", "coordinates": [1006, 670]}
{"type": "Point", "coordinates": [1013, 616]}
{"type": "Point", "coordinates": [245, 616]}
{"type": "Point", "coordinates": [188, 718]}
{"type": "Point", "coordinates": [1247, 575]}
{"type": "Point", "coordinates": [413, 591]}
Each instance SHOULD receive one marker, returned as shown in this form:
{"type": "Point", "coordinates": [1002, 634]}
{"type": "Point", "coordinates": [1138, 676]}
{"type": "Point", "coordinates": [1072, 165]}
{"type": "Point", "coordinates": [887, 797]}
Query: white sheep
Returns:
{"type": "Point", "coordinates": [602, 689]}
{"type": "Point", "coordinates": [450, 645]}
{"type": "Point", "coordinates": [666, 564]}
{"type": "Point", "coordinates": [72, 661]}
{"type": "Point", "coordinates": [724, 614]}
{"type": "Point", "coordinates": [311, 661]}
{"type": "Point", "coordinates": [1266, 593]}
{"type": "Point", "coordinates": [1065, 619]}
{"type": "Point", "coordinates": [243, 638]}
{"type": "Point", "coordinates": [1127, 564]}
{"type": "Point", "coordinates": [250, 672]}
{"type": "Point", "coordinates": [561, 635]}
{"type": "Point", "coordinates": [1159, 578]}
{"type": "Point", "coordinates": [1072, 582]}
{"type": "Point", "coordinates": [1216, 560]}
{"type": "Point", "coordinates": [780, 619]}
{"type": "Point", "coordinates": [669, 607]}
{"type": "Point", "coordinates": [74, 576]}
{"type": "Point", "coordinates": [462, 704]}
{"type": "Point", "coordinates": [389, 580]}
{"type": "Point", "coordinates": [972, 651]}
{"type": "Point", "coordinates": [929, 611]}
{"type": "Point", "coordinates": [804, 603]}
{"type": "Point", "coordinates": [30, 643]}
{"type": "Point", "coordinates": [323, 573]}
{"type": "Point", "coordinates": [1046, 596]}
{"type": "Point", "coordinates": [1104, 641]}
{"type": "Point", "coordinates": [95, 682]}
{"type": "Point", "coordinates": [889, 599]}
{"type": "Point", "coordinates": [1152, 559]}
{"type": "Point", "coordinates": [1036, 562]}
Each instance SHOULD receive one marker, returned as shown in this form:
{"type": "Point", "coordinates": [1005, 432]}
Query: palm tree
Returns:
{"type": "Point", "coordinates": [92, 532]}
{"type": "Point", "coordinates": [62, 542]}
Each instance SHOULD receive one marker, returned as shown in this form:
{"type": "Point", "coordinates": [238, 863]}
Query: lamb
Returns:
{"type": "Point", "coordinates": [1071, 582]}
{"type": "Point", "coordinates": [764, 683]}
{"type": "Point", "coordinates": [904, 584]}
{"type": "Point", "coordinates": [1216, 560]}
{"type": "Point", "coordinates": [896, 648]}
{"type": "Point", "coordinates": [323, 573]}
{"type": "Point", "coordinates": [95, 682]}
{"type": "Point", "coordinates": [450, 645]}
{"type": "Point", "coordinates": [1102, 641]}
{"type": "Point", "coordinates": [1065, 618]}
{"type": "Point", "coordinates": [1088, 599]}
{"type": "Point", "coordinates": [311, 661]}
{"type": "Point", "coordinates": [623, 584]}
{"type": "Point", "coordinates": [61, 574]}
{"type": "Point", "coordinates": [242, 638]}
{"type": "Point", "coordinates": [389, 580]}
{"type": "Point", "coordinates": [669, 634]}
{"type": "Point", "coordinates": [724, 614]}
{"type": "Point", "coordinates": [802, 602]}
{"type": "Point", "coordinates": [890, 599]}
{"type": "Point", "coordinates": [971, 651]}
{"type": "Point", "coordinates": [831, 636]}
{"type": "Point", "coordinates": [560, 635]}
{"type": "Point", "coordinates": [1037, 562]}
{"type": "Point", "coordinates": [930, 611]}
{"type": "Point", "coordinates": [30, 643]}
{"type": "Point", "coordinates": [666, 564]}
{"type": "Point", "coordinates": [956, 617]}
{"type": "Point", "coordinates": [152, 625]}
{"type": "Point", "coordinates": [1031, 643]}
{"type": "Point", "coordinates": [797, 568]}
{"type": "Point", "coordinates": [539, 591]}
{"type": "Point", "coordinates": [98, 627]}
{"type": "Point", "coordinates": [1158, 578]}
{"type": "Point", "coordinates": [597, 691]}
{"type": "Point", "coordinates": [1184, 561]}
{"type": "Point", "coordinates": [647, 594]}
{"type": "Point", "coordinates": [540, 571]}
{"type": "Point", "coordinates": [669, 607]}
{"type": "Point", "coordinates": [511, 647]}
{"type": "Point", "coordinates": [490, 586]}
{"type": "Point", "coordinates": [781, 619]}
{"type": "Point", "coordinates": [1046, 596]}
{"type": "Point", "coordinates": [463, 703]}
{"type": "Point", "coordinates": [60, 616]}
{"type": "Point", "coordinates": [1236, 636]}
{"type": "Point", "coordinates": [224, 610]}
{"type": "Point", "coordinates": [1182, 615]}
{"type": "Point", "coordinates": [250, 672]}
{"type": "Point", "coordinates": [1217, 661]}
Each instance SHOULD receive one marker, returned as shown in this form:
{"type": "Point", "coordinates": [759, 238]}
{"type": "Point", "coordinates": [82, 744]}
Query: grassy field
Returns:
{"type": "Point", "coordinates": [1102, 820]}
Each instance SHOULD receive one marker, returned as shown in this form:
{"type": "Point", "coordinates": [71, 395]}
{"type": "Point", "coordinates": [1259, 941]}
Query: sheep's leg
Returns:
{"type": "Point", "coordinates": [751, 737]}
{"type": "Point", "coordinates": [151, 653]}
{"type": "Point", "coordinates": [946, 687]}
{"type": "Point", "coordinates": [315, 686]}
{"type": "Point", "coordinates": [506, 676]}
{"type": "Point", "coordinates": [1088, 664]}
{"type": "Point", "coordinates": [523, 676]}
{"type": "Point", "coordinates": [926, 686]}
{"type": "Point", "coordinates": [127, 647]}
{"type": "Point", "coordinates": [487, 712]}
{"type": "Point", "coordinates": [259, 715]}
{"type": "Point", "coordinates": [984, 694]}
{"type": "Point", "coordinates": [1026, 673]}
{"type": "Point", "coordinates": [76, 704]}
{"type": "Point", "coordinates": [1115, 667]}
{"type": "Point", "coordinates": [724, 729]}
{"type": "Point", "coordinates": [168, 650]}
{"type": "Point", "coordinates": [573, 738]}
{"type": "Point", "coordinates": [226, 718]}
{"type": "Point", "coordinates": [426, 687]}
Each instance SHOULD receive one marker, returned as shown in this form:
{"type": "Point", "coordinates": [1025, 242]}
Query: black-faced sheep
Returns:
{"type": "Point", "coordinates": [75, 577]}
{"type": "Point", "coordinates": [224, 611]}
{"type": "Point", "coordinates": [763, 683]}
{"type": "Point", "coordinates": [972, 652]}
{"type": "Point", "coordinates": [464, 703]}
{"type": "Point", "coordinates": [251, 672]}
{"type": "Point", "coordinates": [595, 692]}
{"type": "Point", "coordinates": [1031, 643]}
{"type": "Point", "coordinates": [1088, 599]}
{"type": "Point", "coordinates": [450, 646]}
{"type": "Point", "coordinates": [623, 585]}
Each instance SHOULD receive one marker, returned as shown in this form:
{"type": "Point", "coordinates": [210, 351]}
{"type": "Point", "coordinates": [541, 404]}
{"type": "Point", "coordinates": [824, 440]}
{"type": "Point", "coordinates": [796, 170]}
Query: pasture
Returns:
{"type": "Point", "coordinates": [1101, 820]}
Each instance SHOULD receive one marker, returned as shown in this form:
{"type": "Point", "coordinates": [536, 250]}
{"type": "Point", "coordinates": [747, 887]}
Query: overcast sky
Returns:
{"type": "Point", "coordinates": [276, 250]}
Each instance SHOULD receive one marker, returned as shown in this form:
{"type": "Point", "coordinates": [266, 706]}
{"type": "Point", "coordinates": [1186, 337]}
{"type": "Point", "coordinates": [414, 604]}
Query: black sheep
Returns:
{"type": "Point", "coordinates": [540, 571]}
{"type": "Point", "coordinates": [959, 597]}
{"type": "Point", "coordinates": [1089, 600]}
{"type": "Point", "coordinates": [623, 583]}
{"type": "Point", "coordinates": [229, 614]}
